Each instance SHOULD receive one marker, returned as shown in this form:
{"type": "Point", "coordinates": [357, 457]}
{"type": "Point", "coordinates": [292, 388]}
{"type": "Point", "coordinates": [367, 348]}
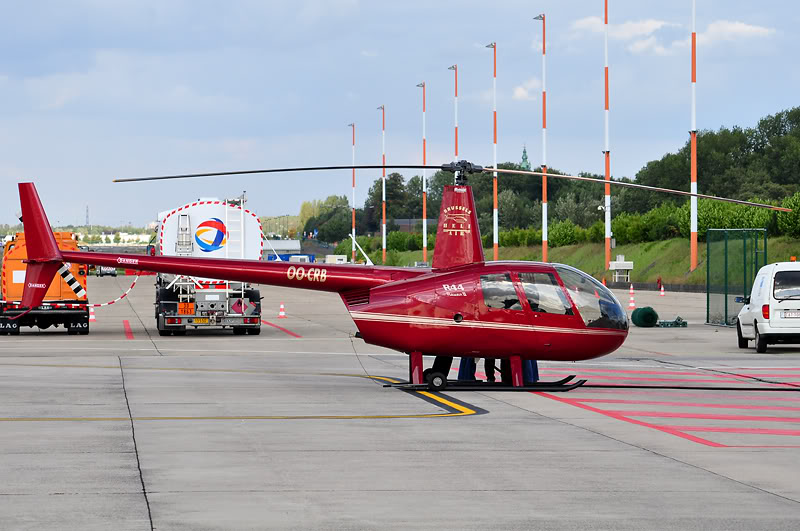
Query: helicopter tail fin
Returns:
{"type": "Point", "coordinates": [458, 238]}
{"type": "Point", "coordinates": [44, 257]}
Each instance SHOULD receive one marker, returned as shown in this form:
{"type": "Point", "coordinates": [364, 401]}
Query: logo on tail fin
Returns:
{"type": "Point", "coordinates": [456, 220]}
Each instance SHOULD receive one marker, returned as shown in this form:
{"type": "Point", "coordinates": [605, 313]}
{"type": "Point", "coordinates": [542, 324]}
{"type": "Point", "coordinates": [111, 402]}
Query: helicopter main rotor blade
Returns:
{"type": "Point", "coordinates": [639, 186]}
{"type": "Point", "coordinates": [277, 170]}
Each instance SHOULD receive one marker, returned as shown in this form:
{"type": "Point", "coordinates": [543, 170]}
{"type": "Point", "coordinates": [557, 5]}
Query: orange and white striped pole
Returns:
{"type": "Point", "coordinates": [353, 125]}
{"type": "Point", "coordinates": [424, 183]}
{"type": "Point", "coordinates": [495, 229]}
{"type": "Point", "coordinates": [544, 141]}
{"type": "Point", "coordinates": [383, 180]}
{"type": "Point", "coordinates": [454, 68]}
{"type": "Point", "coordinates": [607, 151]}
{"type": "Point", "coordinates": [693, 134]}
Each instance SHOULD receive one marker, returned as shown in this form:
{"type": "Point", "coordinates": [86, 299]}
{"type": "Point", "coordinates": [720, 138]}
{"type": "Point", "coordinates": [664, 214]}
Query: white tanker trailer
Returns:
{"type": "Point", "coordinates": [208, 228]}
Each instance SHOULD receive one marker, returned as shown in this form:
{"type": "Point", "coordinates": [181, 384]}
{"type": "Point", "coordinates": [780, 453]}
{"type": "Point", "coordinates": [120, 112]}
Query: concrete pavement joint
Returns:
{"type": "Point", "coordinates": [135, 448]}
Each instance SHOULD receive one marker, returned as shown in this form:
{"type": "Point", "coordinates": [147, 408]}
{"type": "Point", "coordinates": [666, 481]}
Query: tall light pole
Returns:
{"type": "Point", "coordinates": [383, 180]}
{"type": "Point", "coordinates": [424, 183]}
{"type": "Point", "coordinates": [495, 229]}
{"type": "Point", "coordinates": [607, 151]}
{"type": "Point", "coordinates": [454, 68]}
{"type": "Point", "coordinates": [353, 244]}
{"type": "Point", "coordinates": [544, 141]}
{"type": "Point", "coordinates": [693, 134]}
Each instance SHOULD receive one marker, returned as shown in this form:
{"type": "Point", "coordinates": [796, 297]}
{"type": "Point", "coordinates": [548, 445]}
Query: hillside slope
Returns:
{"type": "Point", "coordinates": [668, 259]}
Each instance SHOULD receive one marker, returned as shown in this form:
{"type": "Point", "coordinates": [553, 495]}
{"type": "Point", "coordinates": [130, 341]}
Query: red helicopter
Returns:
{"type": "Point", "coordinates": [461, 306]}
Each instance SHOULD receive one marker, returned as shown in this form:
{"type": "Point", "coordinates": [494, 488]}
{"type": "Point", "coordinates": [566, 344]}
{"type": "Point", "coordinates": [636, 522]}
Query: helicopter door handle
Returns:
{"type": "Point", "coordinates": [458, 318]}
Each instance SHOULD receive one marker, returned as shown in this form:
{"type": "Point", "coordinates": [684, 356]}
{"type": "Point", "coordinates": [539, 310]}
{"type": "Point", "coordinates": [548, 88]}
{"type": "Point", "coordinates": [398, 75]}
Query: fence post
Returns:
{"type": "Point", "coordinates": [725, 314]}
{"type": "Point", "coordinates": [708, 277]}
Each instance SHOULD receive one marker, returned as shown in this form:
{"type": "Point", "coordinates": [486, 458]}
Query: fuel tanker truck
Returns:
{"type": "Point", "coordinates": [207, 228]}
{"type": "Point", "coordinates": [65, 303]}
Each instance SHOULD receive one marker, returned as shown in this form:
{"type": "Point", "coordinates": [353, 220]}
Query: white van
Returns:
{"type": "Point", "coordinates": [771, 314]}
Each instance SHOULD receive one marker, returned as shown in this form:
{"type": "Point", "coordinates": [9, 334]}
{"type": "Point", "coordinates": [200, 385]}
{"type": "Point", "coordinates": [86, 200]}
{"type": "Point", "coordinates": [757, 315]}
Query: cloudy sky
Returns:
{"type": "Point", "coordinates": [97, 89]}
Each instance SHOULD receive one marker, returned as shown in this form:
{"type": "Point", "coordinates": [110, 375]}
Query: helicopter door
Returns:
{"type": "Point", "coordinates": [500, 310]}
{"type": "Point", "coordinates": [550, 310]}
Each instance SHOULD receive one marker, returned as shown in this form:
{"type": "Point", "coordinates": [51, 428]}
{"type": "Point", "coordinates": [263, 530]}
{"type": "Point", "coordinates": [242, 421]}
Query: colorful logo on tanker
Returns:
{"type": "Point", "coordinates": [211, 235]}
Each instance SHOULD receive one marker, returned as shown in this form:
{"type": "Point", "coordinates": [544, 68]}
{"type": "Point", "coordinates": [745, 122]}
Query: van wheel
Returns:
{"type": "Point", "coordinates": [761, 342]}
{"type": "Point", "coordinates": [742, 340]}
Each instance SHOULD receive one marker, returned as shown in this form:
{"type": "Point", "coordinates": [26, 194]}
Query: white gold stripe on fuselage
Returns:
{"type": "Point", "coordinates": [441, 321]}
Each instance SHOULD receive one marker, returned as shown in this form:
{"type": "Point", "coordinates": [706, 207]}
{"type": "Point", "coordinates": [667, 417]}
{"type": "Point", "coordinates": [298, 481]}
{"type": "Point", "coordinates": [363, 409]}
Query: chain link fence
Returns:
{"type": "Point", "coordinates": [734, 257]}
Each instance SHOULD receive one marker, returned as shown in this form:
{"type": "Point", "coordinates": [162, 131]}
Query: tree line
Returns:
{"type": "Point", "coordinates": [756, 163]}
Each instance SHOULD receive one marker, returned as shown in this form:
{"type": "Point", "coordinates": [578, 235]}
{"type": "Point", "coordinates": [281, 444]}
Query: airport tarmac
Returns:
{"type": "Point", "coordinates": [124, 429]}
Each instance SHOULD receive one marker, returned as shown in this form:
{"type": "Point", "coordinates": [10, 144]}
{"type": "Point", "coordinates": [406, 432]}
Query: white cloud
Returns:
{"type": "Point", "coordinates": [643, 34]}
{"type": "Point", "coordinates": [631, 29]}
{"type": "Point", "coordinates": [139, 82]}
{"type": "Point", "coordinates": [525, 91]}
{"type": "Point", "coordinates": [369, 53]}
{"type": "Point", "coordinates": [727, 30]}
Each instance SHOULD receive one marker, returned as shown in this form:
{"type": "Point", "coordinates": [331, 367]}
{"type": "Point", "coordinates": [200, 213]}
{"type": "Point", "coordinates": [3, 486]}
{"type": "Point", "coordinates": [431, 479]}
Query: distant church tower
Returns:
{"type": "Point", "coordinates": [525, 165]}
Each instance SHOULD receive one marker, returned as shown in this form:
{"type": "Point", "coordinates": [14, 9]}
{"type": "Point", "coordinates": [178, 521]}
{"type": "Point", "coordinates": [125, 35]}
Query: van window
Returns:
{"type": "Point", "coordinates": [544, 294]}
{"type": "Point", "coordinates": [499, 292]}
{"type": "Point", "coordinates": [787, 285]}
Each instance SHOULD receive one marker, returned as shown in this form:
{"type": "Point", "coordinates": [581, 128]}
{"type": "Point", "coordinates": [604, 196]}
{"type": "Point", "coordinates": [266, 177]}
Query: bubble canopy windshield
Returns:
{"type": "Point", "coordinates": [598, 307]}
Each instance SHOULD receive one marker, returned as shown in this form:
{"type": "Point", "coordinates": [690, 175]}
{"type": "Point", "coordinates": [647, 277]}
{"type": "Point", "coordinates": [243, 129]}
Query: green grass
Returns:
{"type": "Point", "coordinates": [668, 259]}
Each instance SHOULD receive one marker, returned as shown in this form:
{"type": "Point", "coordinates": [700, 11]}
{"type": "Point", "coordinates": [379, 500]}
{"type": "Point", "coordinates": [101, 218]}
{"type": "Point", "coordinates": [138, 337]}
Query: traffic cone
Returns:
{"type": "Point", "coordinates": [92, 317]}
{"type": "Point", "coordinates": [604, 281]}
{"type": "Point", "coordinates": [282, 312]}
{"type": "Point", "coordinates": [632, 303]}
{"type": "Point", "coordinates": [662, 290]}
{"type": "Point", "coordinates": [631, 290]}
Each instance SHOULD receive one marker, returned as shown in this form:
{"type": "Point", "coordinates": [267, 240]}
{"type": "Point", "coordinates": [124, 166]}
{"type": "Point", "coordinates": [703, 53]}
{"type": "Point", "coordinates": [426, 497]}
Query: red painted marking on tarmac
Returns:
{"type": "Point", "coordinates": [619, 371]}
{"type": "Point", "coordinates": [703, 416]}
{"type": "Point", "coordinates": [128, 331]}
{"type": "Point", "coordinates": [282, 329]}
{"type": "Point", "coordinates": [727, 380]}
{"type": "Point", "coordinates": [687, 404]}
{"type": "Point", "coordinates": [744, 395]}
{"type": "Point", "coordinates": [752, 431]}
{"type": "Point", "coordinates": [671, 430]}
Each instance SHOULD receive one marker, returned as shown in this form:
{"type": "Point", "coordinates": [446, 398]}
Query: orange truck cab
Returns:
{"type": "Point", "coordinates": [66, 300]}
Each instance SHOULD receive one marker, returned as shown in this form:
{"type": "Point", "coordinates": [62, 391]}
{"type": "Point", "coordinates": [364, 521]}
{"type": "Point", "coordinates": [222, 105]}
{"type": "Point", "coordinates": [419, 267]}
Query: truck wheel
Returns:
{"type": "Point", "coordinates": [254, 331]}
{"type": "Point", "coordinates": [239, 331]}
{"type": "Point", "coordinates": [742, 340]}
{"type": "Point", "coordinates": [761, 342]}
{"type": "Point", "coordinates": [164, 332]}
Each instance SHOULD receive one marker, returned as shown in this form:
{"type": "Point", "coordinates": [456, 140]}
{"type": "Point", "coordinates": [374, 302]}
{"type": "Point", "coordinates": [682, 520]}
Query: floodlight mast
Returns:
{"type": "Point", "coordinates": [693, 138]}
{"type": "Point", "coordinates": [382, 108]}
{"type": "Point", "coordinates": [544, 140]}
{"type": "Point", "coordinates": [353, 125]}
{"type": "Point", "coordinates": [454, 68]}
{"type": "Point", "coordinates": [607, 150]}
{"type": "Point", "coordinates": [495, 228]}
{"type": "Point", "coordinates": [424, 182]}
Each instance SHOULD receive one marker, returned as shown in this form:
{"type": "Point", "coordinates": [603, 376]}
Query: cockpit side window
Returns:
{"type": "Point", "coordinates": [544, 294]}
{"type": "Point", "coordinates": [499, 292]}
